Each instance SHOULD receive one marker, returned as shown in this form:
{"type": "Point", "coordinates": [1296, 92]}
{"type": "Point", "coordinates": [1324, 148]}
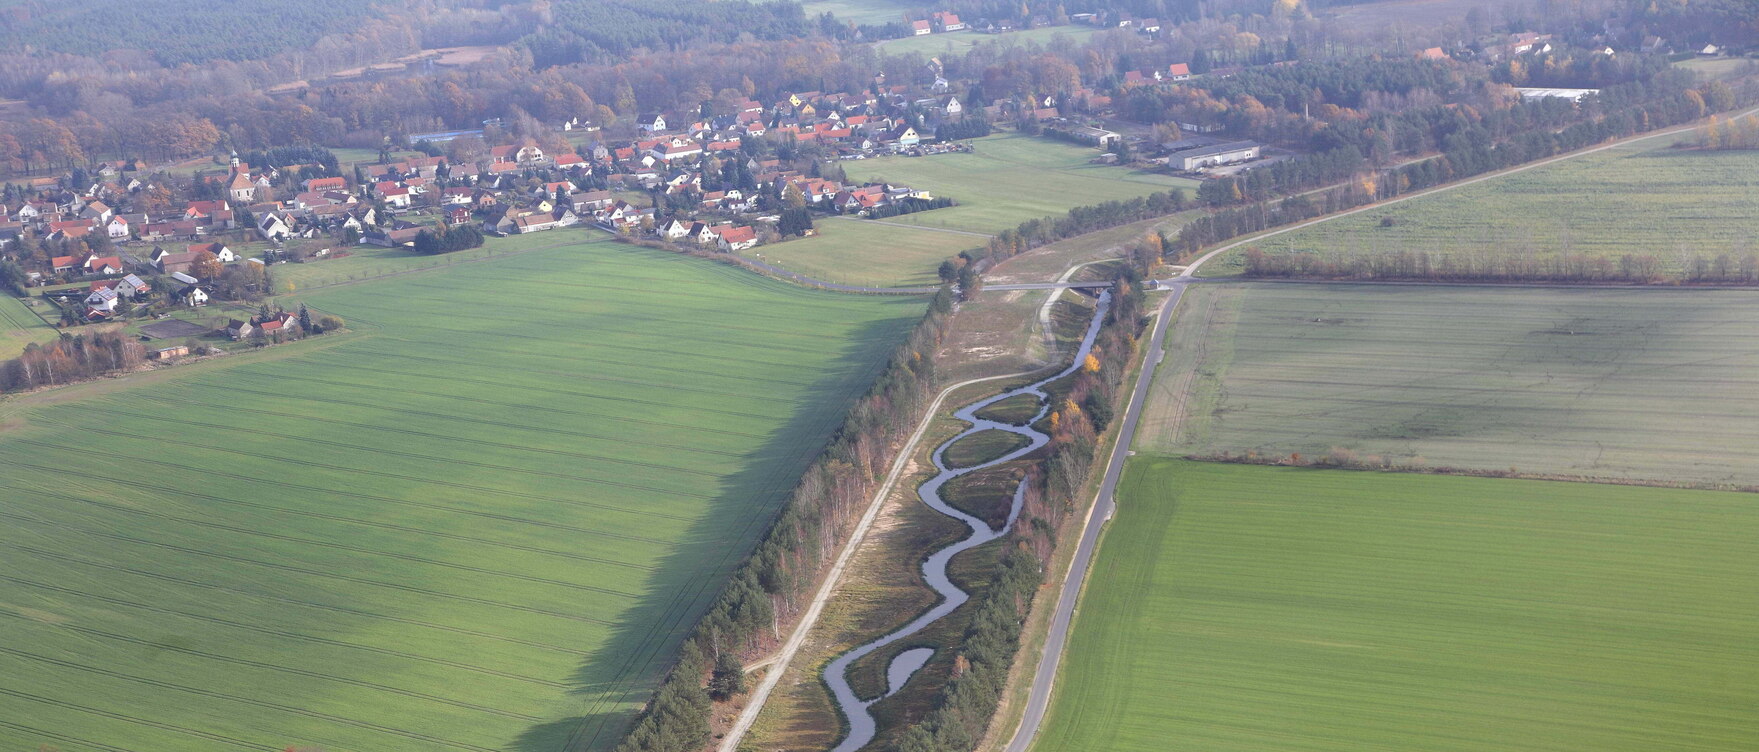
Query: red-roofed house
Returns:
{"type": "Point", "coordinates": [733, 239]}
{"type": "Point", "coordinates": [920, 28]}
{"type": "Point", "coordinates": [947, 21]}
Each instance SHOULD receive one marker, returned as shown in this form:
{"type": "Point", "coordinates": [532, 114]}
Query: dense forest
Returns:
{"type": "Point", "coordinates": [174, 32]}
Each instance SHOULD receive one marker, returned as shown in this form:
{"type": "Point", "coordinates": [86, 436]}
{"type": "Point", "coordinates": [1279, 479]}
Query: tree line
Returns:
{"type": "Point", "coordinates": [72, 358]}
{"type": "Point", "coordinates": [1665, 101]}
{"type": "Point", "coordinates": [776, 581]}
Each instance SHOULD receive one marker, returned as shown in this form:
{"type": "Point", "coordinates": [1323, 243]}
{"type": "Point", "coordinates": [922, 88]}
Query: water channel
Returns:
{"type": "Point", "coordinates": [934, 569]}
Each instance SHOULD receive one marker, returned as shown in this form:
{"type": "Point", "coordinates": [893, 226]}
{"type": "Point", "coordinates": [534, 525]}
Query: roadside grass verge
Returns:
{"type": "Point", "coordinates": [1248, 608]}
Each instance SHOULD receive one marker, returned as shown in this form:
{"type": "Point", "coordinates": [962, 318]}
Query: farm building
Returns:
{"type": "Point", "coordinates": [1220, 154]}
{"type": "Point", "coordinates": [170, 352]}
{"type": "Point", "coordinates": [1574, 95]}
{"type": "Point", "coordinates": [1096, 136]}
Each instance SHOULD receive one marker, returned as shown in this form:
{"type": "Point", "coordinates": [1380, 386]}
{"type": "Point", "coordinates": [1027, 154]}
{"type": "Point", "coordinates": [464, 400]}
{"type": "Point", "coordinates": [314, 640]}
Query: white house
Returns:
{"type": "Point", "coordinates": [103, 299]}
{"type": "Point", "coordinates": [273, 227]}
{"type": "Point", "coordinates": [193, 296]}
{"type": "Point", "coordinates": [652, 123]}
{"type": "Point", "coordinates": [673, 229]}
{"type": "Point", "coordinates": [117, 227]}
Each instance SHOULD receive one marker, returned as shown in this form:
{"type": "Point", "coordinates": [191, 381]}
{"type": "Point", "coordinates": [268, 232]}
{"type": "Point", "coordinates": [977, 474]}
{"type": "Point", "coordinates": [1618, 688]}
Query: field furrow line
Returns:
{"type": "Point", "coordinates": [326, 399]}
{"type": "Point", "coordinates": [431, 458]}
{"type": "Point", "coordinates": [284, 633]}
{"type": "Point", "coordinates": [449, 484]}
{"type": "Point", "coordinates": [694, 353]}
{"type": "Point", "coordinates": [339, 546]}
{"type": "Point", "coordinates": [353, 495]}
{"type": "Point", "coordinates": [101, 634]}
{"type": "Point", "coordinates": [173, 728]}
{"type": "Point", "coordinates": [172, 490]}
{"type": "Point", "coordinates": [686, 316]}
{"type": "Point", "coordinates": [60, 737]}
{"type": "Point", "coordinates": [228, 697]}
{"type": "Point", "coordinates": [429, 435]}
{"type": "Point", "coordinates": [599, 360]}
{"type": "Point", "coordinates": [586, 377]}
{"type": "Point", "coordinates": [55, 556]}
{"type": "Point", "coordinates": [307, 571]}
{"type": "Point", "coordinates": [503, 386]}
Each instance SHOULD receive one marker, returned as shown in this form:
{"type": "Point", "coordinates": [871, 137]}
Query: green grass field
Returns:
{"type": "Point", "coordinates": [982, 447]}
{"type": "Point", "coordinates": [366, 263]}
{"type": "Point", "coordinates": [479, 522]}
{"type": "Point", "coordinates": [1252, 608]}
{"type": "Point", "coordinates": [960, 42]}
{"type": "Point", "coordinates": [862, 252]}
{"type": "Point", "coordinates": [1011, 178]}
{"type": "Point", "coordinates": [1643, 198]}
{"type": "Point", "coordinates": [1647, 384]}
{"type": "Point", "coordinates": [19, 326]}
{"type": "Point", "coordinates": [862, 11]}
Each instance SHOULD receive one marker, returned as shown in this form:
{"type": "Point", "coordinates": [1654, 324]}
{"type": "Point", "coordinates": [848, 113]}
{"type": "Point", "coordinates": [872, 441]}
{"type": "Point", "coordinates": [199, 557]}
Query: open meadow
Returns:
{"type": "Point", "coordinates": [20, 326]}
{"type": "Point", "coordinates": [1649, 384]}
{"type": "Point", "coordinates": [960, 42]}
{"type": "Point", "coordinates": [1255, 608]}
{"type": "Point", "coordinates": [366, 263]}
{"type": "Point", "coordinates": [1641, 198]}
{"type": "Point", "coordinates": [862, 252]}
{"type": "Point", "coordinates": [1010, 178]}
{"type": "Point", "coordinates": [480, 521]}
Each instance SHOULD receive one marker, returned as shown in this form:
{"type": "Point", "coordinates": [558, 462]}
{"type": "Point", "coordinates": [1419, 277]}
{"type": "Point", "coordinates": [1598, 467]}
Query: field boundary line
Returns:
{"type": "Point", "coordinates": [781, 660]}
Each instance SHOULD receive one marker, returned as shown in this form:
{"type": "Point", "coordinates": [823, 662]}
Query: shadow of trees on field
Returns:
{"type": "Point", "coordinates": [686, 581]}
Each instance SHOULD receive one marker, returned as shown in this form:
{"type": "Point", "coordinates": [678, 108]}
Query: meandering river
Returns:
{"type": "Point", "coordinates": [934, 569]}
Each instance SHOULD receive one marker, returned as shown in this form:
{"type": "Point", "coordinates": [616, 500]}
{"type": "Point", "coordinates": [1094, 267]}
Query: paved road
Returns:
{"type": "Point", "coordinates": [1039, 700]}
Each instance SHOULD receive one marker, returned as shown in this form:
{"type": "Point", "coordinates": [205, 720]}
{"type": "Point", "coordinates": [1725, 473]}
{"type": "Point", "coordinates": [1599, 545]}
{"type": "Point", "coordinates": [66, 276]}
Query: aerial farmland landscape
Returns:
{"type": "Point", "coordinates": [879, 376]}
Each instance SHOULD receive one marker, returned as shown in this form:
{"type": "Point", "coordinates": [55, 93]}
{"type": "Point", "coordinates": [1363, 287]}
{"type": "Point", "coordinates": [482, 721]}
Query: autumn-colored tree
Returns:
{"type": "Point", "coordinates": [1091, 364]}
{"type": "Point", "coordinates": [206, 265]}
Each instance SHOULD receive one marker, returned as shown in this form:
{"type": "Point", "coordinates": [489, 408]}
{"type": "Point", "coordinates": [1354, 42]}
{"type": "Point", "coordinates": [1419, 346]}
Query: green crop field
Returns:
{"type": "Point", "coordinates": [863, 11]}
{"type": "Point", "coordinates": [863, 252]}
{"type": "Point", "coordinates": [1011, 178]}
{"type": "Point", "coordinates": [19, 326]}
{"type": "Point", "coordinates": [1254, 608]}
{"type": "Point", "coordinates": [1642, 198]}
{"type": "Point", "coordinates": [961, 42]}
{"type": "Point", "coordinates": [1649, 384]}
{"type": "Point", "coordinates": [480, 521]}
{"type": "Point", "coordinates": [365, 263]}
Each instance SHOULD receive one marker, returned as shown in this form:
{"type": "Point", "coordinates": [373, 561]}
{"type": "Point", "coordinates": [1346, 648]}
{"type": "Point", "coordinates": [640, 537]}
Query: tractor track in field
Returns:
{"type": "Point", "coordinates": [45, 553]}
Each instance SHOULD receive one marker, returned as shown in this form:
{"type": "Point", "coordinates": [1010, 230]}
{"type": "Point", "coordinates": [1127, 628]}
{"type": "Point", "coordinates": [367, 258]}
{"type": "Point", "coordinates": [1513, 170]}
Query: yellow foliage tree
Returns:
{"type": "Point", "coordinates": [1091, 365]}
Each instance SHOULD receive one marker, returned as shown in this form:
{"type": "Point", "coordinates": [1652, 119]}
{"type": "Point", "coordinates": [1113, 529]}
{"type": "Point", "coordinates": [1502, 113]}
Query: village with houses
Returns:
{"type": "Point", "coordinates": [133, 239]}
